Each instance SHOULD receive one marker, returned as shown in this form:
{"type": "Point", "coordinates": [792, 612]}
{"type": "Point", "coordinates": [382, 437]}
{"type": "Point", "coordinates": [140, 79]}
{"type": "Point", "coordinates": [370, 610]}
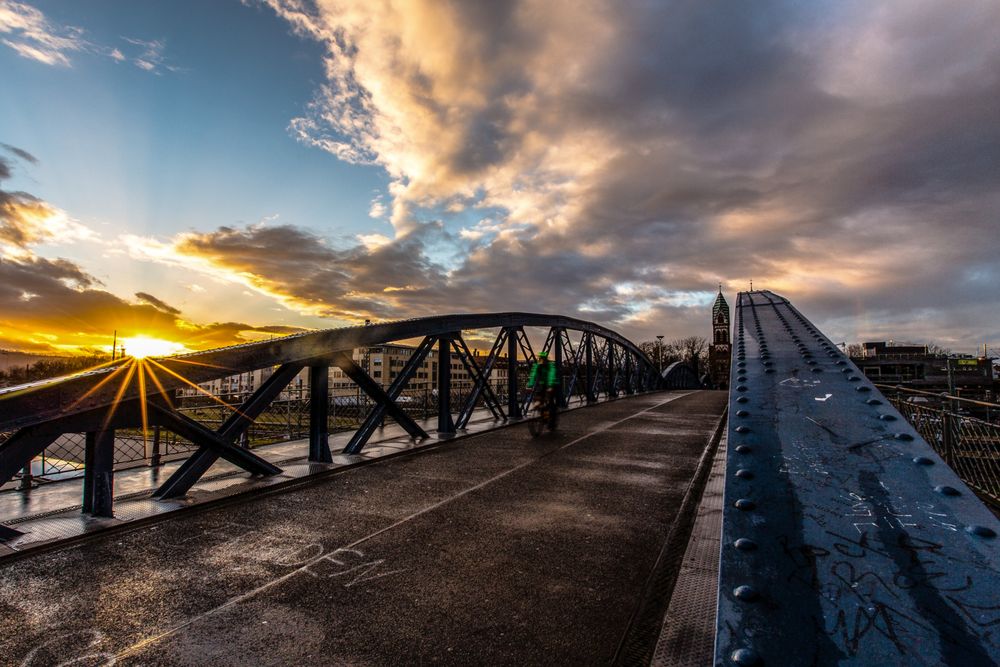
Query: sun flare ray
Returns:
{"type": "Point", "coordinates": [159, 386]}
{"type": "Point", "coordinates": [97, 387]}
{"type": "Point", "coordinates": [199, 389]}
{"type": "Point", "coordinates": [132, 365]}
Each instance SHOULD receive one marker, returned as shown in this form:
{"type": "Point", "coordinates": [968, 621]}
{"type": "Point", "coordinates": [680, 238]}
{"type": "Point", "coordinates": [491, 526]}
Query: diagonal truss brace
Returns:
{"type": "Point", "coordinates": [481, 378]}
{"type": "Point", "coordinates": [576, 357]}
{"type": "Point", "coordinates": [191, 430]}
{"type": "Point", "coordinates": [385, 402]}
{"type": "Point", "coordinates": [209, 450]}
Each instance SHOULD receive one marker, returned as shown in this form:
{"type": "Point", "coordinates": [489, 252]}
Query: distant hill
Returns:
{"type": "Point", "coordinates": [12, 359]}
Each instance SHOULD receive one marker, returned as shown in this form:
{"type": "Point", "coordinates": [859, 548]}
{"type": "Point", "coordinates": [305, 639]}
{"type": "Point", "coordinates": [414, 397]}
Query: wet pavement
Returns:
{"type": "Point", "coordinates": [497, 548]}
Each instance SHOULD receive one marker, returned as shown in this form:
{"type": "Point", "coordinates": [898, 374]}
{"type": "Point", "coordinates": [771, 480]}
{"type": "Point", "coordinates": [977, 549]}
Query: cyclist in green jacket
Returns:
{"type": "Point", "coordinates": [543, 373]}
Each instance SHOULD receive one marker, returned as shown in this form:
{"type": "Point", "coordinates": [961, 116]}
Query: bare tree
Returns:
{"type": "Point", "coordinates": [855, 350]}
{"type": "Point", "coordinates": [691, 350]}
{"type": "Point", "coordinates": [938, 350]}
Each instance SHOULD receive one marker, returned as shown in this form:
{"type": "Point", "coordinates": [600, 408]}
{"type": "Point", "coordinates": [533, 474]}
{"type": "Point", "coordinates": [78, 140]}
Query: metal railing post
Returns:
{"type": "Point", "coordinates": [26, 478]}
{"type": "Point", "coordinates": [154, 458]}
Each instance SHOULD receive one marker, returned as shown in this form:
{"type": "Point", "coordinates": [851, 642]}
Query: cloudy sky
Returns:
{"type": "Point", "coordinates": [207, 172]}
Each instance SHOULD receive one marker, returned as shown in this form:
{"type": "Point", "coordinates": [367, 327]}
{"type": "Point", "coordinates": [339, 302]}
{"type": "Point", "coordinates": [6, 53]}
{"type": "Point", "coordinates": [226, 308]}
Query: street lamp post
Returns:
{"type": "Point", "coordinates": [659, 353]}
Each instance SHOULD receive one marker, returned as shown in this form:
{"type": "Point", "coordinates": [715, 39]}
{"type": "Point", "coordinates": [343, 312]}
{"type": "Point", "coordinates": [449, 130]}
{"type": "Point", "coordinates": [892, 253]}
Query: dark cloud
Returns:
{"type": "Point", "coordinates": [19, 152]}
{"type": "Point", "coordinates": [156, 303]}
{"type": "Point", "coordinates": [291, 262]}
{"type": "Point", "coordinates": [278, 329]}
{"type": "Point", "coordinates": [844, 153]}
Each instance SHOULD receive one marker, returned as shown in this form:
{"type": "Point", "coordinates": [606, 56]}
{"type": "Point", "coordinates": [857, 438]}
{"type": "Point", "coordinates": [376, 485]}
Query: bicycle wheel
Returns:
{"type": "Point", "coordinates": [535, 422]}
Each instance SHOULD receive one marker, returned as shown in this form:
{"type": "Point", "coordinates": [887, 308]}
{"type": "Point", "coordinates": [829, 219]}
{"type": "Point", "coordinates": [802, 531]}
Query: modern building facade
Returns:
{"type": "Point", "coordinates": [913, 366]}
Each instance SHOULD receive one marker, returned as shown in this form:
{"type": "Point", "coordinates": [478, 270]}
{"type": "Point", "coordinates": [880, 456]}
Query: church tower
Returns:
{"type": "Point", "coordinates": [720, 351]}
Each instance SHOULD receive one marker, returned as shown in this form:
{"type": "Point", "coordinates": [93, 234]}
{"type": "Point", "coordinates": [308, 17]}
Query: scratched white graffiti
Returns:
{"type": "Point", "coordinates": [78, 646]}
{"type": "Point", "coordinates": [350, 564]}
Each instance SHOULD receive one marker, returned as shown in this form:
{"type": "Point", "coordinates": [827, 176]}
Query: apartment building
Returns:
{"type": "Point", "coordinates": [383, 363]}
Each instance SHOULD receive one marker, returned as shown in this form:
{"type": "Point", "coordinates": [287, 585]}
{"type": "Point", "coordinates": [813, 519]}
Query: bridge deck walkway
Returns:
{"type": "Point", "coordinates": [497, 548]}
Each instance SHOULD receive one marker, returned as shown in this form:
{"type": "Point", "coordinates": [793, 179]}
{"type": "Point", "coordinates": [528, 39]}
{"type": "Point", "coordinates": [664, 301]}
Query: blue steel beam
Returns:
{"type": "Point", "coordinates": [846, 539]}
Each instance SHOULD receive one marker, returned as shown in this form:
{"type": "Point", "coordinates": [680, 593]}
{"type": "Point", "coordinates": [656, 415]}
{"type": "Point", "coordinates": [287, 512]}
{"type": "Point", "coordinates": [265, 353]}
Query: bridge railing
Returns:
{"type": "Point", "coordinates": [963, 431]}
{"type": "Point", "coordinates": [112, 408]}
{"type": "Point", "coordinates": [284, 420]}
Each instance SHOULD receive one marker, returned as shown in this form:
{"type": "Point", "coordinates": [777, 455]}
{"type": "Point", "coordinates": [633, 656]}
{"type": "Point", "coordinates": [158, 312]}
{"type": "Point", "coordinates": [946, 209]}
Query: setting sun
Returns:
{"type": "Point", "coordinates": [144, 346]}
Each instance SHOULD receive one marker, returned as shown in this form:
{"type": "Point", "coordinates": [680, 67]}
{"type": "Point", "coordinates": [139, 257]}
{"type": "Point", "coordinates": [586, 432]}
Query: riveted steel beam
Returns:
{"type": "Point", "coordinates": [846, 537]}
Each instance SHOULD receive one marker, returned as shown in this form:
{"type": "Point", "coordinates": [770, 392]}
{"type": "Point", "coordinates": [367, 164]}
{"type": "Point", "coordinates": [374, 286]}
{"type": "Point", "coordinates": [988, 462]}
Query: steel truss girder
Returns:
{"type": "Point", "coordinates": [59, 397]}
{"type": "Point", "coordinates": [601, 368]}
{"type": "Point", "coordinates": [219, 446]}
{"type": "Point", "coordinates": [591, 393]}
{"type": "Point", "coordinates": [557, 334]}
{"type": "Point", "coordinates": [385, 402]}
{"type": "Point", "coordinates": [513, 401]}
{"type": "Point", "coordinates": [612, 371]}
{"type": "Point", "coordinates": [87, 402]}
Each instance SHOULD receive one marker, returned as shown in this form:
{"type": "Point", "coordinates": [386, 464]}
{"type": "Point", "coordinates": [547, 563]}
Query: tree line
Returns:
{"type": "Point", "coordinates": [50, 368]}
{"type": "Point", "coordinates": [691, 350]}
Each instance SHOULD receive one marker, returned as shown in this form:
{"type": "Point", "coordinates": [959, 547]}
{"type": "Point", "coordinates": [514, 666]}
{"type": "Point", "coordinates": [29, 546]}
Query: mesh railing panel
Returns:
{"type": "Point", "coordinates": [970, 445]}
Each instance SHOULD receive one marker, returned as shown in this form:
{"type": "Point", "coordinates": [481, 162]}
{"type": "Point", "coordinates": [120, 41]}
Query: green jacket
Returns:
{"type": "Point", "coordinates": [547, 377]}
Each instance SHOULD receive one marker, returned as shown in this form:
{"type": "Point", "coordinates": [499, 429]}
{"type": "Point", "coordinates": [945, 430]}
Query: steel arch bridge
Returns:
{"type": "Point", "coordinates": [125, 395]}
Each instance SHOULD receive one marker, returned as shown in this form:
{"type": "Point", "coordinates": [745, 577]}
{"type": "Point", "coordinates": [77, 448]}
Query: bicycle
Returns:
{"type": "Point", "coordinates": [543, 415]}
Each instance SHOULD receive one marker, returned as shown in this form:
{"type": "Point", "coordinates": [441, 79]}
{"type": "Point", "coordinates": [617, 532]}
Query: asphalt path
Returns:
{"type": "Point", "coordinates": [497, 548]}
